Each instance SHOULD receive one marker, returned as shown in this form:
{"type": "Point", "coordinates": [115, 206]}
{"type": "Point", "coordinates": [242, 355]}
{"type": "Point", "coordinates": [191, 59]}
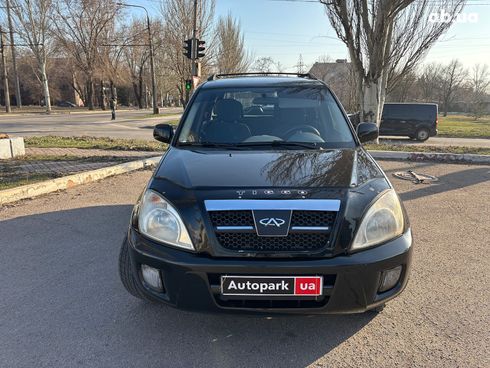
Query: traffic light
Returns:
{"type": "Point", "coordinates": [188, 85]}
{"type": "Point", "coordinates": [200, 49]}
{"type": "Point", "coordinates": [188, 48]}
{"type": "Point", "coordinates": [194, 48]}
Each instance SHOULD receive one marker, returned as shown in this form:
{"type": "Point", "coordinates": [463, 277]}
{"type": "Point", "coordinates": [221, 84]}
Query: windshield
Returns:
{"type": "Point", "coordinates": [280, 116]}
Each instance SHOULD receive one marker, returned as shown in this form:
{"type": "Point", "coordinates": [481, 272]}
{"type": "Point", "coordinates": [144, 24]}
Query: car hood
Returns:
{"type": "Point", "coordinates": [292, 168]}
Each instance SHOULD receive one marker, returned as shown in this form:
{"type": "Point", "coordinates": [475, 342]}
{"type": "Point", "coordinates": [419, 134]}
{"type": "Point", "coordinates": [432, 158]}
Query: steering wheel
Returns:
{"type": "Point", "coordinates": [304, 128]}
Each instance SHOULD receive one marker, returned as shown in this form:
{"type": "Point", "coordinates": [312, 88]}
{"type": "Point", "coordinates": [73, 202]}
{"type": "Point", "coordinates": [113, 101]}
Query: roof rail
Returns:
{"type": "Point", "coordinates": [231, 75]}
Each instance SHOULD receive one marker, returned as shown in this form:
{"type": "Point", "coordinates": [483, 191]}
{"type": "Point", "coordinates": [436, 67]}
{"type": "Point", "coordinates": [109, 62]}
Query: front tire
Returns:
{"type": "Point", "coordinates": [126, 273]}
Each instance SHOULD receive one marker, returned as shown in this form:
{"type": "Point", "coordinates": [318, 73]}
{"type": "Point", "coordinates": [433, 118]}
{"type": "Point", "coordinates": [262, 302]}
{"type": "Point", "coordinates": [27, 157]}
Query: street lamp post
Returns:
{"type": "Point", "coordinates": [5, 76]}
{"type": "Point", "coordinates": [152, 62]}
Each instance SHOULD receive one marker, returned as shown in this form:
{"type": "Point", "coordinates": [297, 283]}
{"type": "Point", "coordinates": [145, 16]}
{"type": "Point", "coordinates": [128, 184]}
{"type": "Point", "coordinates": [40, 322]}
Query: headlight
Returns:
{"type": "Point", "coordinates": [383, 221]}
{"type": "Point", "coordinates": [159, 220]}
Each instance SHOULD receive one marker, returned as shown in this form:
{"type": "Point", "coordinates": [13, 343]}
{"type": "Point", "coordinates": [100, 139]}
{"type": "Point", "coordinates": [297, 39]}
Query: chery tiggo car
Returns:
{"type": "Point", "coordinates": [266, 201]}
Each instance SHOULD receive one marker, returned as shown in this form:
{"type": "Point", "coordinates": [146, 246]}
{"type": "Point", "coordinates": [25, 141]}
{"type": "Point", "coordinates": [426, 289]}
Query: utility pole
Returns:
{"type": "Point", "coordinates": [194, 28]}
{"type": "Point", "coordinates": [14, 58]}
{"type": "Point", "coordinates": [5, 75]}
{"type": "Point", "coordinates": [194, 45]}
{"type": "Point", "coordinates": [301, 65]}
{"type": "Point", "coordinates": [152, 68]}
{"type": "Point", "coordinates": [194, 50]}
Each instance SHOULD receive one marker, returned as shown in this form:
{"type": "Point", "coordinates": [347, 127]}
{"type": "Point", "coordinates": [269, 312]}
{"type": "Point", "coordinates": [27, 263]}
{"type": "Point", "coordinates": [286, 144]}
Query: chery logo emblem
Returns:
{"type": "Point", "coordinates": [278, 222]}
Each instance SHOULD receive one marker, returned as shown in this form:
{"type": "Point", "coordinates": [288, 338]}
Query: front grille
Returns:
{"type": "Point", "coordinates": [294, 242]}
{"type": "Point", "coordinates": [232, 218]}
{"type": "Point", "coordinates": [313, 218]}
{"type": "Point", "coordinates": [235, 230]}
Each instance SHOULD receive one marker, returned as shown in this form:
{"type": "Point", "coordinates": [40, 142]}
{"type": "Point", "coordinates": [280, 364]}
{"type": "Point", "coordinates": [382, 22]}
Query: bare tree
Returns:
{"type": "Point", "coordinates": [80, 25]}
{"type": "Point", "coordinates": [166, 77]}
{"type": "Point", "coordinates": [406, 89]}
{"type": "Point", "coordinates": [108, 63]}
{"type": "Point", "coordinates": [178, 20]}
{"type": "Point", "coordinates": [266, 65]}
{"type": "Point", "coordinates": [279, 67]}
{"type": "Point", "coordinates": [386, 39]}
{"type": "Point", "coordinates": [136, 57]}
{"type": "Point", "coordinates": [325, 59]}
{"type": "Point", "coordinates": [31, 19]}
{"type": "Point", "coordinates": [339, 75]}
{"type": "Point", "coordinates": [113, 41]}
{"type": "Point", "coordinates": [430, 83]}
{"type": "Point", "coordinates": [453, 77]}
{"type": "Point", "coordinates": [479, 83]}
{"type": "Point", "coordinates": [231, 56]}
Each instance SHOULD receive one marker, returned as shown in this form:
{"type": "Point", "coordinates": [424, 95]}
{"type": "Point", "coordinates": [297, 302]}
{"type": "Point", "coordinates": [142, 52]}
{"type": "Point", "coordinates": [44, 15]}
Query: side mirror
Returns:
{"type": "Point", "coordinates": [367, 132]}
{"type": "Point", "coordinates": [163, 133]}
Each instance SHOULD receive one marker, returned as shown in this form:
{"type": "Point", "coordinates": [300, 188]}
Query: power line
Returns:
{"type": "Point", "coordinates": [469, 2]}
{"type": "Point", "coordinates": [125, 45]}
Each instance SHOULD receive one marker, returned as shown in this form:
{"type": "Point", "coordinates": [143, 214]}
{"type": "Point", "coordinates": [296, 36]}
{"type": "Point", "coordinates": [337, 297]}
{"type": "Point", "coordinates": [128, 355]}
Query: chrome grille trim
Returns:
{"type": "Point", "coordinates": [234, 228]}
{"type": "Point", "coordinates": [272, 204]}
{"type": "Point", "coordinates": [310, 228]}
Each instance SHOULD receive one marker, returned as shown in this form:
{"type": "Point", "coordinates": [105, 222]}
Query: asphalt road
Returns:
{"type": "Point", "coordinates": [132, 124]}
{"type": "Point", "coordinates": [62, 305]}
{"type": "Point", "coordinates": [129, 124]}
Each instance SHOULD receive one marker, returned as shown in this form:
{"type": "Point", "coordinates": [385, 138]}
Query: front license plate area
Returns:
{"type": "Point", "coordinates": [287, 286]}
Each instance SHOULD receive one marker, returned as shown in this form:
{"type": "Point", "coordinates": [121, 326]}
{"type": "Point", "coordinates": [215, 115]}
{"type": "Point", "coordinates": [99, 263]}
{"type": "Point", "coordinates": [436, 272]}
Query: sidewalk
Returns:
{"type": "Point", "coordinates": [79, 152]}
{"type": "Point", "coordinates": [66, 161]}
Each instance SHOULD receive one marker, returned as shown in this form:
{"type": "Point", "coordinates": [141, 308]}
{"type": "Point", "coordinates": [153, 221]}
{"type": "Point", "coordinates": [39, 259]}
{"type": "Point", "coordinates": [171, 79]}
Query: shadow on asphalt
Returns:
{"type": "Point", "coordinates": [63, 300]}
{"type": "Point", "coordinates": [452, 181]}
{"type": "Point", "coordinates": [224, 340]}
{"type": "Point", "coordinates": [415, 166]}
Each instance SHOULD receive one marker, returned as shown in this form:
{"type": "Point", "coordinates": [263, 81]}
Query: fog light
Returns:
{"type": "Point", "coordinates": [389, 279]}
{"type": "Point", "coordinates": [152, 277]}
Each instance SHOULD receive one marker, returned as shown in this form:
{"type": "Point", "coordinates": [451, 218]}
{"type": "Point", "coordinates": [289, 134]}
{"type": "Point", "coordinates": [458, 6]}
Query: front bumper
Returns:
{"type": "Point", "coordinates": [351, 282]}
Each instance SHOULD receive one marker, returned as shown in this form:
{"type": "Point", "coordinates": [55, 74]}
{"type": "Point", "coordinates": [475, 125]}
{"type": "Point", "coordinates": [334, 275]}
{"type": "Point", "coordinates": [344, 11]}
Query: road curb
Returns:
{"type": "Point", "coordinates": [65, 182]}
{"type": "Point", "coordinates": [428, 156]}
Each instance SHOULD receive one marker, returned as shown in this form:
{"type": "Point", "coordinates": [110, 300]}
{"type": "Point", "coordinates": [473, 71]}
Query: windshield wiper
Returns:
{"type": "Point", "coordinates": [208, 145]}
{"type": "Point", "coordinates": [309, 145]}
{"type": "Point", "coordinates": [244, 145]}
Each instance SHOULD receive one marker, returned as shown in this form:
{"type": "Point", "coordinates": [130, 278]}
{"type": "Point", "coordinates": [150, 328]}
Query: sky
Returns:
{"type": "Point", "coordinates": [286, 29]}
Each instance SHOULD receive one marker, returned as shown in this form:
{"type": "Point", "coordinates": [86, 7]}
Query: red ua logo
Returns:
{"type": "Point", "coordinates": [307, 286]}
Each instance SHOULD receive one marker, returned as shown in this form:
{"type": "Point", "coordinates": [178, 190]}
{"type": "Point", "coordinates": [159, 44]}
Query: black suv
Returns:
{"type": "Point", "coordinates": [266, 201]}
{"type": "Point", "coordinates": [415, 120]}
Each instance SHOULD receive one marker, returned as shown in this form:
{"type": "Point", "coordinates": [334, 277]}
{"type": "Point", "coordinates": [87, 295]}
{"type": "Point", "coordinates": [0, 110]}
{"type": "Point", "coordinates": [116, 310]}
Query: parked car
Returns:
{"type": "Point", "coordinates": [280, 210]}
{"type": "Point", "coordinates": [415, 120]}
{"type": "Point", "coordinates": [66, 104]}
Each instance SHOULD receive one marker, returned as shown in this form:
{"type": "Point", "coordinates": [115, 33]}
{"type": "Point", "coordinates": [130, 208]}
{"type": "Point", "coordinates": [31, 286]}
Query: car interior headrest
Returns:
{"type": "Point", "coordinates": [228, 110]}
